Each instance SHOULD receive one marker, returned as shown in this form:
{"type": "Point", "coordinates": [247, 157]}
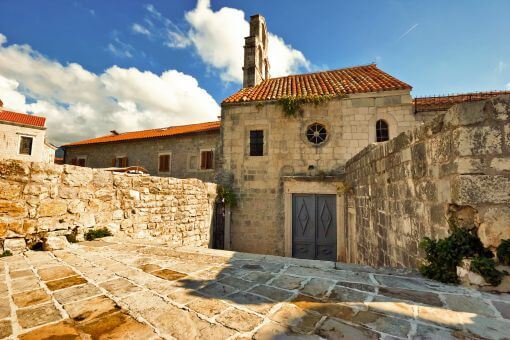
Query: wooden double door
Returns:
{"type": "Point", "coordinates": [314, 227]}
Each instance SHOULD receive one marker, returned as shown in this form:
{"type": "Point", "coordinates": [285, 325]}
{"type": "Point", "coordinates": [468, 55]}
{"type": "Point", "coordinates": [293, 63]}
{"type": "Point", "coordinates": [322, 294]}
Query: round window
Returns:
{"type": "Point", "coordinates": [316, 133]}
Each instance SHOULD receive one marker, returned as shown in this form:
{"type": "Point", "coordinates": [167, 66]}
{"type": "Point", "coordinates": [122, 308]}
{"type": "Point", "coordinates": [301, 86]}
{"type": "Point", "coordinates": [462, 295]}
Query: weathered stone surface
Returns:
{"type": "Point", "coordinates": [76, 293]}
{"type": "Point", "coordinates": [272, 293]}
{"type": "Point", "coordinates": [239, 320]}
{"type": "Point", "coordinates": [12, 209]}
{"type": "Point", "coordinates": [296, 319]}
{"type": "Point", "coordinates": [333, 329]}
{"type": "Point", "coordinates": [65, 282]}
{"type": "Point", "coordinates": [5, 308]}
{"type": "Point", "coordinates": [115, 326]}
{"type": "Point", "coordinates": [55, 243]}
{"type": "Point", "coordinates": [56, 272]}
{"type": "Point", "coordinates": [86, 310]}
{"type": "Point", "coordinates": [208, 307]}
{"type": "Point", "coordinates": [317, 287]}
{"type": "Point", "coordinates": [49, 208]}
{"type": "Point", "coordinates": [62, 330]}
{"type": "Point", "coordinates": [30, 298]}
{"type": "Point", "coordinates": [15, 245]}
{"type": "Point", "coordinates": [5, 329]}
{"type": "Point", "coordinates": [495, 226]}
{"type": "Point", "coordinates": [34, 316]}
{"type": "Point", "coordinates": [341, 294]}
{"type": "Point", "coordinates": [383, 323]}
{"type": "Point", "coordinates": [468, 304]}
{"type": "Point", "coordinates": [120, 287]}
{"type": "Point", "coordinates": [412, 295]}
{"type": "Point", "coordinates": [287, 282]}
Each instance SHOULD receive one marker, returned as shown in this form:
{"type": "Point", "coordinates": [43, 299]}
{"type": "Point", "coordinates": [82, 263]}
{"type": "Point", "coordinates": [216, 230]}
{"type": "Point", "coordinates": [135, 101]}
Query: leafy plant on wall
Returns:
{"type": "Point", "coordinates": [292, 105]}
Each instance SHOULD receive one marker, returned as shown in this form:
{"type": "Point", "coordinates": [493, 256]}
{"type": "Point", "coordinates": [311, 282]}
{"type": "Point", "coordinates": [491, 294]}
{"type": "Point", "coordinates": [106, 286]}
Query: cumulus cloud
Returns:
{"type": "Point", "coordinates": [508, 86]}
{"type": "Point", "coordinates": [218, 37]}
{"type": "Point", "coordinates": [81, 104]}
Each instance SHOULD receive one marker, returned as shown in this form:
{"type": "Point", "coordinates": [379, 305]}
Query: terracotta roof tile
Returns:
{"type": "Point", "coordinates": [22, 118]}
{"type": "Point", "coordinates": [153, 133]}
{"type": "Point", "coordinates": [359, 79]}
{"type": "Point", "coordinates": [443, 103]}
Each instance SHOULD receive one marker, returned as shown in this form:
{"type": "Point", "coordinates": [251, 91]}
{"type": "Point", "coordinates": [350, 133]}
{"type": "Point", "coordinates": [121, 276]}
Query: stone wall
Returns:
{"type": "Point", "coordinates": [457, 166]}
{"type": "Point", "coordinates": [38, 200]}
{"type": "Point", "coordinates": [257, 223]}
{"type": "Point", "coordinates": [184, 153]}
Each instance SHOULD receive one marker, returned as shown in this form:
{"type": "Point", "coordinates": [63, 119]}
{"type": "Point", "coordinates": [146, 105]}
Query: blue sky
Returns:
{"type": "Point", "coordinates": [437, 47]}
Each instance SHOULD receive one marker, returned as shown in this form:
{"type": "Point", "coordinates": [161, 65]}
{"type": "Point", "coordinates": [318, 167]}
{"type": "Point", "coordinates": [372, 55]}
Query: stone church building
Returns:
{"type": "Point", "coordinates": [287, 170]}
{"type": "Point", "coordinates": [282, 148]}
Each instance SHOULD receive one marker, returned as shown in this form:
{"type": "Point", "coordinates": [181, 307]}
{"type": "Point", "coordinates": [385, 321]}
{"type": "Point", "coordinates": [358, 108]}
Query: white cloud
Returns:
{"type": "Point", "coordinates": [219, 39]}
{"type": "Point", "coordinates": [81, 104]}
{"type": "Point", "coordinates": [137, 28]}
{"type": "Point", "coordinates": [508, 86]}
{"type": "Point", "coordinates": [119, 48]}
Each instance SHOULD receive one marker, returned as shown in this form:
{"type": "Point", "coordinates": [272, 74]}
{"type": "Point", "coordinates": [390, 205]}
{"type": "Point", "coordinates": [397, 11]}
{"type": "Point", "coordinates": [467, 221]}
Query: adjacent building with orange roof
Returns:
{"type": "Point", "coordinates": [23, 137]}
{"type": "Point", "coordinates": [186, 151]}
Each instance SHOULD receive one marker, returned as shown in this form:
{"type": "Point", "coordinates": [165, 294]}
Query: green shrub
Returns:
{"type": "Point", "coordinates": [487, 268]}
{"type": "Point", "coordinates": [97, 233]}
{"type": "Point", "coordinates": [227, 195]}
{"type": "Point", "coordinates": [443, 256]}
{"type": "Point", "coordinates": [6, 253]}
{"type": "Point", "coordinates": [503, 252]}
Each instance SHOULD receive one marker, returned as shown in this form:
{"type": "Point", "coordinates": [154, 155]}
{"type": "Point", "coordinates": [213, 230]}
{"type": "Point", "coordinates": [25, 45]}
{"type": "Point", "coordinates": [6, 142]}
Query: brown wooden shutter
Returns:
{"type": "Point", "coordinates": [164, 163]}
{"type": "Point", "coordinates": [74, 161]}
{"type": "Point", "coordinates": [209, 159]}
{"type": "Point", "coordinates": [125, 162]}
{"type": "Point", "coordinates": [113, 162]}
{"type": "Point", "coordinates": [203, 160]}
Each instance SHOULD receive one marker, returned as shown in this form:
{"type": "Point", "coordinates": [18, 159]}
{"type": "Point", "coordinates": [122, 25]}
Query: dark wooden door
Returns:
{"type": "Point", "coordinates": [219, 225]}
{"type": "Point", "coordinates": [314, 226]}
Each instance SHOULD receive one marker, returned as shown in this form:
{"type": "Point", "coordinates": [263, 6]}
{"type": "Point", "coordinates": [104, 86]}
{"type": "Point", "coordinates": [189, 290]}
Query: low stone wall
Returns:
{"type": "Point", "coordinates": [457, 166]}
{"type": "Point", "coordinates": [38, 200]}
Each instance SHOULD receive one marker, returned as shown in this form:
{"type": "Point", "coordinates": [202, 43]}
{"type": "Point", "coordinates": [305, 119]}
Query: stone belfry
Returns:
{"type": "Point", "coordinates": [256, 63]}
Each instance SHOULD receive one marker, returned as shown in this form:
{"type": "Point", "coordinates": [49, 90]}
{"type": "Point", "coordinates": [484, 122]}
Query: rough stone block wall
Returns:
{"type": "Point", "coordinates": [39, 200]}
{"type": "Point", "coordinates": [457, 166]}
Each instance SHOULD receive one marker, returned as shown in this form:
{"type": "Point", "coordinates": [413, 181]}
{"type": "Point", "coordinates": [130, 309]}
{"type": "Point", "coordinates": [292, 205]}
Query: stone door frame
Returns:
{"type": "Point", "coordinates": [296, 186]}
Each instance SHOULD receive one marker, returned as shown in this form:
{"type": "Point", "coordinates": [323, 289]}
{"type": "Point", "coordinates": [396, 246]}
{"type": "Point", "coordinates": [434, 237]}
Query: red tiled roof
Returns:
{"type": "Point", "coordinates": [443, 103]}
{"type": "Point", "coordinates": [153, 133]}
{"type": "Point", "coordinates": [21, 118]}
{"type": "Point", "coordinates": [359, 79]}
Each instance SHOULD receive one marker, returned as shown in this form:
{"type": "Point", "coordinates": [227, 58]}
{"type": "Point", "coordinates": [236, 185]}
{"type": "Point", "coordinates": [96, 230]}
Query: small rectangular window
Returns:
{"type": "Point", "coordinates": [256, 143]}
{"type": "Point", "coordinates": [192, 162]}
{"type": "Point", "coordinates": [120, 162]}
{"type": "Point", "coordinates": [25, 145]}
{"type": "Point", "coordinates": [206, 160]}
{"type": "Point", "coordinates": [80, 162]}
{"type": "Point", "coordinates": [164, 163]}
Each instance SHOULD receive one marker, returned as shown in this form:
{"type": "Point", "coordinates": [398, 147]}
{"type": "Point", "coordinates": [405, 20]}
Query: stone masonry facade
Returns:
{"type": "Point", "coordinates": [10, 135]}
{"type": "Point", "coordinates": [184, 154]}
{"type": "Point", "coordinates": [258, 220]}
{"type": "Point", "coordinates": [40, 200]}
{"type": "Point", "coordinates": [457, 166]}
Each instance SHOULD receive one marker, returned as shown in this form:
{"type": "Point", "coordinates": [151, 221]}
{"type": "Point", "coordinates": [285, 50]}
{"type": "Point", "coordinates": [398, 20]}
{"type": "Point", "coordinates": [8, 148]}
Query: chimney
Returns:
{"type": "Point", "coordinates": [256, 63]}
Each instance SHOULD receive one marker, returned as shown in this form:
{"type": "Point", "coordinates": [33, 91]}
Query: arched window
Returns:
{"type": "Point", "coordinates": [382, 131]}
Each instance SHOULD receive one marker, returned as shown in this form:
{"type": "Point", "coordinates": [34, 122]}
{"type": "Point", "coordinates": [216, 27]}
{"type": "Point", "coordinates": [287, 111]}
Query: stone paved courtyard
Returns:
{"type": "Point", "coordinates": [120, 290]}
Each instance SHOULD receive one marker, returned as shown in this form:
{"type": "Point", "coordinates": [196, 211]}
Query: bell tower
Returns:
{"type": "Point", "coordinates": [256, 63]}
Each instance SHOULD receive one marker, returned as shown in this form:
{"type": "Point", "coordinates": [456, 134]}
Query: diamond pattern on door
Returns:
{"type": "Point", "coordinates": [314, 226]}
{"type": "Point", "coordinates": [303, 217]}
{"type": "Point", "coordinates": [325, 217]}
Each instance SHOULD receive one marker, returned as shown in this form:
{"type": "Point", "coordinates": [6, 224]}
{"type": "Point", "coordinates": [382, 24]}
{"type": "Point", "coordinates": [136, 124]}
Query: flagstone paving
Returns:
{"type": "Point", "coordinates": [120, 289]}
